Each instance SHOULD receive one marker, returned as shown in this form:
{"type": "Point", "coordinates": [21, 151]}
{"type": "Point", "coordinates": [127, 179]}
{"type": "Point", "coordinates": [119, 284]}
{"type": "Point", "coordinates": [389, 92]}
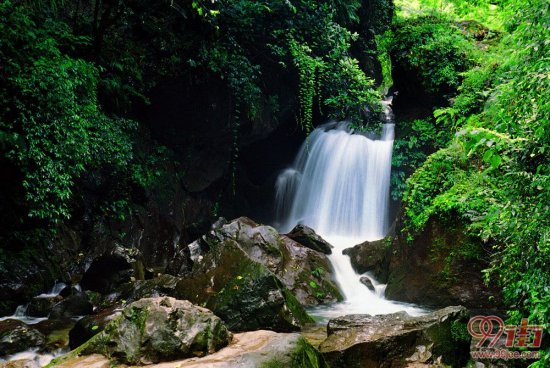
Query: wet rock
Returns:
{"type": "Point", "coordinates": [31, 267]}
{"type": "Point", "coordinates": [442, 266]}
{"type": "Point", "coordinates": [153, 330]}
{"type": "Point", "coordinates": [305, 272]}
{"type": "Point", "coordinates": [182, 263]}
{"type": "Point", "coordinates": [89, 326]}
{"type": "Point", "coordinates": [56, 333]}
{"type": "Point", "coordinates": [70, 290]}
{"type": "Point", "coordinates": [116, 267]}
{"type": "Point", "coordinates": [308, 238]}
{"type": "Point", "coordinates": [241, 291]}
{"type": "Point", "coordinates": [42, 306]}
{"type": "Point", "coordinates": [372, 257]}
{"type": "Point", "coordinates": [163, 285]}
{"type": "Point", "coordinates": [367, 282]}
{"type": "Point", "coordinates": [16, 336]}
{"type": "Point", "coordinates": [72, 306]}
{"type": "Point", "coordinates": [397, 340]}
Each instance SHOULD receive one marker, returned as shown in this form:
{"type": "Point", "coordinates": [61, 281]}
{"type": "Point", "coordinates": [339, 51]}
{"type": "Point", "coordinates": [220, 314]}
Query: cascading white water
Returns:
{"type": "Point", "coordinates": [339, 186]}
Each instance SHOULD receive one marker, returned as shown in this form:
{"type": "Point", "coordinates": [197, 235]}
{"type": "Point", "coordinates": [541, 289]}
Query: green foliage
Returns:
{"type": "Point", "coordinates": [417, 140]}
{"type": "Point", "coordinates": [350, 92]}
{"type": "Point", "coordinates": [383, 45]}
{"type": "Point", "coordinates": [494, 175]}
{"type": "Point", "coordinates": [52, 127]}
{"type": "Point", "coordinates": [308, 66]}
{"type": "Point", "coordinates": [459, 331]}
{"type": "Point", "coordinates": [253, 38]}
{"type": "Point", "coordinates": [306, 356]}
{"type": "Point", "coordinates": [433, 48]}
{"type": "Point", "coordinates": [489, 12]}
{"type": "Point", "coordinates": [318, 272]}
{"type": "Point", "coordinates": [54, 133]}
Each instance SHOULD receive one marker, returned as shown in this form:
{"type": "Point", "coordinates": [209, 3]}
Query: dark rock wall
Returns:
{"type": "Point", "coordinates": [442, 266]}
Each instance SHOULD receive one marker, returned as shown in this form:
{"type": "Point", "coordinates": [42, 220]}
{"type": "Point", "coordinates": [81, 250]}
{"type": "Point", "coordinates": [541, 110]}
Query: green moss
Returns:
{"type": "Point", "coordinates": [296, 309]}
{"type": "Point", "coordinates": [459, 331]}
{"type": "Point", "coordinates": [138, 316]}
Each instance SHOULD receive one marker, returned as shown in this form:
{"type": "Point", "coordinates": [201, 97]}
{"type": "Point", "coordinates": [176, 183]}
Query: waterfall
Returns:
{"type": "Point", "coordinates": [339, 186]}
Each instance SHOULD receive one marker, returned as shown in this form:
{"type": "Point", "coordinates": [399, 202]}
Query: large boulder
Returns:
{"type": "Point", "coordinates": [398, 340]}
{"type": "Point", "coordinates": [153, 330]}
{"type": "Point", "coordinates": [242, 291]}
{"type": "Point", "coordinates": [72, 306]}
{"type": "Point", "coordinates": [305, 272]}
{"type": "Point", "coordinates": [441, 266]}
{"type": "Point", "coordinates": [162, 285]}
{"type": "Point", "coordinates": [16, 336]}
{"type": "Point", "coordinates": [112, 269]}
{"type": "Point", "coordinates": [371, 256]}
{"type": "Point", "coordinates": [309, 238]}
{"type": "Point", "coordinates": [41, 306]}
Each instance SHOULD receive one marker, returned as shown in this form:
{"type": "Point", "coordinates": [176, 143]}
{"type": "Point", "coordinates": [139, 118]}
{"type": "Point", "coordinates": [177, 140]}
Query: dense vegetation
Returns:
{"type": "Point", "coordinates": [76, 78]}
{"type": "Point", "coordinates": [492, 173]}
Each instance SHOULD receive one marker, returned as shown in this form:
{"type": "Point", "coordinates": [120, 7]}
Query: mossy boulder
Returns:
{"type": "Point", "coordinates": [16, 336]}
{"type": "Point", "coordinates": [307, 273]}
{"type": "Point", "coordinates": [242, 291]}
{"type": "Point", "coordinates": [396, 340]}
{"type": "Point", "coordinates": [153, 330]}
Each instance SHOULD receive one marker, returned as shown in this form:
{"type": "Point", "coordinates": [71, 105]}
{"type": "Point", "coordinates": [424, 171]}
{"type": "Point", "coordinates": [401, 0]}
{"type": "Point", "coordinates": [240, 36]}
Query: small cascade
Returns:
{"type": "Point", "coordinates": [21, 315]}
{"type": "Point", "coordinates": [55, 290]}
{"type": "Point", "coordinates": [339, 185]}
{"type": "Point", "coordinates": [21, 311]}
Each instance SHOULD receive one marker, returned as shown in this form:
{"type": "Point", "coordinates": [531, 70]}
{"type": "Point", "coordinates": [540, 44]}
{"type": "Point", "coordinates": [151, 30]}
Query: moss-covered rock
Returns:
{"type": "Point", "coordinates": [243, 292]}
{"type": "Point", "coordinates": [305, 272]}
{"type": "Point", "coordinates": [89, 326]}
{"type": "Point", "coordinates": [159, 329]}
{"type": "Point", "coordinates": [16, 336]}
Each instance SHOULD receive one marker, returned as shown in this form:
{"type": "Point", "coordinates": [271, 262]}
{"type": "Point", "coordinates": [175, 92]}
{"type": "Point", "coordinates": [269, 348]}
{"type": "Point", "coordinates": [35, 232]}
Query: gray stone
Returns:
{"type": "Point", "coordinates": [397, 340]}
{"type": "Point", "coordinates": [16, 336]}
{"type": "Point", "coordinates": [160, 329]}
{"type": "Point", "coordinates": [309, 238]}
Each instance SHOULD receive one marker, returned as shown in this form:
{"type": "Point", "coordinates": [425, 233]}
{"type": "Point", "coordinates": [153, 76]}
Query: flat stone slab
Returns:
{"type": "Point", "coordinates": [247, 350]}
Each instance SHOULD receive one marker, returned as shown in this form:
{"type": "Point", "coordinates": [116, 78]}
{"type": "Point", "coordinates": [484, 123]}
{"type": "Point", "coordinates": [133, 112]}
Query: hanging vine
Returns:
{"type": "Point", "coordinates": [308, 66]}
